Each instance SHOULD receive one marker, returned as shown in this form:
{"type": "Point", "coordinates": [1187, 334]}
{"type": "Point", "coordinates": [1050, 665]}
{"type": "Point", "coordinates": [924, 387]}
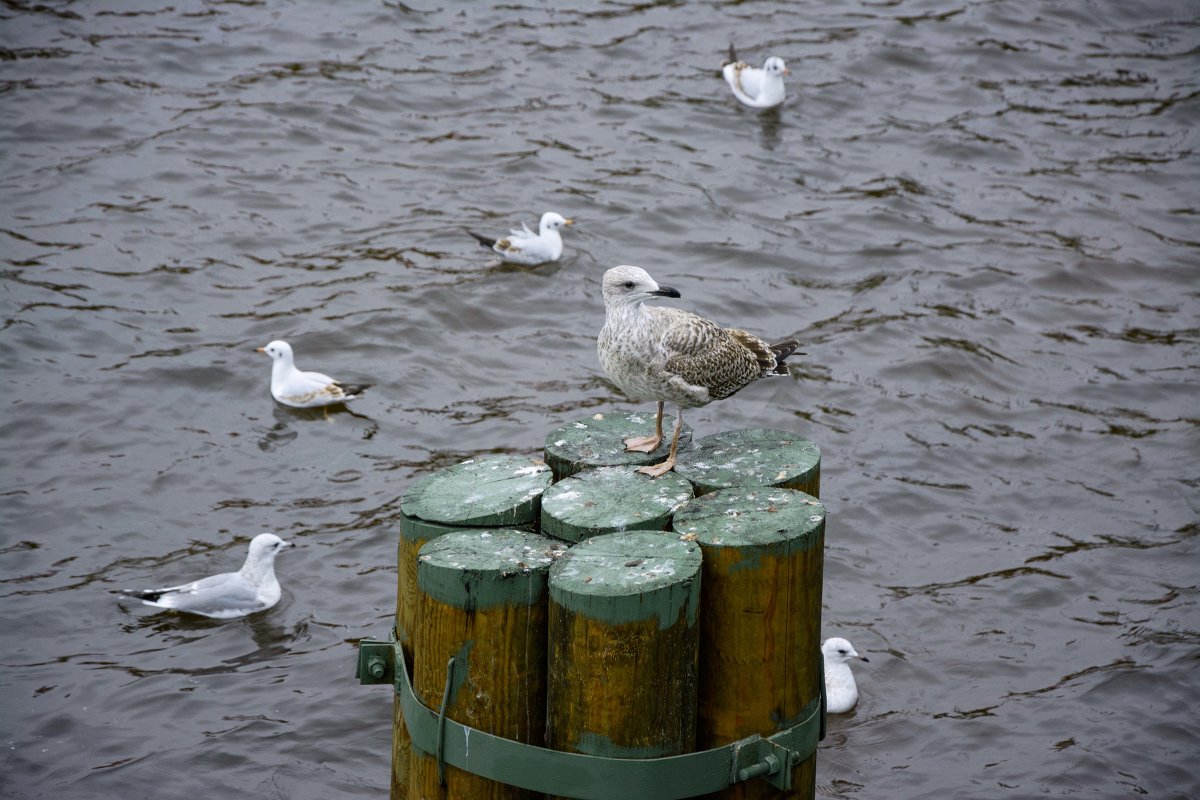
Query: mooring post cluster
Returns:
{"type": "Point", "coordinates": [592, 632]}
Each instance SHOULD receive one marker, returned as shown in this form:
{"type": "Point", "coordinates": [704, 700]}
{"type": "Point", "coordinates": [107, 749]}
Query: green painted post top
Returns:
{"type": "Point", "coordinates": [497, 491]}
{"type": "Point", "coordinates": [751, 457]}
{"type": "Point", "coordinates": [630, 577]}
{"type": "Point", "coordinates": [599, 441]}
{"type": "Point", "coordinates": [478, 569]}
{"type": "Point", "coordinates": [413, 529]}
{"type": "Point", "coordinates": [611, 500]}
{"type": "Point", "coordinates": [752, 517]}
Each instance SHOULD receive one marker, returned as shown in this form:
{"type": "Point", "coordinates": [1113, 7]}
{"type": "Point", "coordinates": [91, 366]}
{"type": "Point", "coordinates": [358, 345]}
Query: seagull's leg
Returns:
{"type": "Point", "coordinates": [647, 444]}
{"type": "Point", "coordinates": [668, 465]}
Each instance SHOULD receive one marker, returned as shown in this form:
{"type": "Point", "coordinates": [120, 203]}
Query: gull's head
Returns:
{"type": "Point", "coordinates": [266, 546]}
{"type": "Point", "coordinates": [839, 651]}
{"type": "Point", "coordinates": [278, 350]}
{"type": "Point", "coordinates": [552, 222]}
{"type": "Point", "coordinates": [775, 66]}
{"type": "Point", "coordinates": [627, 285]}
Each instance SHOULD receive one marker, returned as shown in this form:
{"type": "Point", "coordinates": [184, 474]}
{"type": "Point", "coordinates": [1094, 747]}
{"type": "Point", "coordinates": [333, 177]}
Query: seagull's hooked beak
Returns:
{"type": "Point", "coordinates": [787, 71]}
{"type": "Point", "coordinates": [666, 291]}
{"type": "Point", "coordinates": [260, 349]}
{"type": "Point", "coordinates": [568, 221]}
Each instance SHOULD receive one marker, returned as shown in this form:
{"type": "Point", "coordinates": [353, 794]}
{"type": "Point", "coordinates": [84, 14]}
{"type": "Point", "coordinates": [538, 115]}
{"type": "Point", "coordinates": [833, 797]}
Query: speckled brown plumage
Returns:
{"type": "Point", "coordinates": [674, 356]}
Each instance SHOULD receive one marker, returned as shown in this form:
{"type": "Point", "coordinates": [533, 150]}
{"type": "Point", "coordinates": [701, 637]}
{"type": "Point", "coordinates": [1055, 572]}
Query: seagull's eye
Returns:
{"type": "Point", "coordinates": [628, 284]}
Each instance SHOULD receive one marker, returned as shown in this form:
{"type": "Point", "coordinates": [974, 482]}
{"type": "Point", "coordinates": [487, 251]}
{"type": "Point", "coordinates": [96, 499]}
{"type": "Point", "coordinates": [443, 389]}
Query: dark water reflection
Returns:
{"type": "Point", "coordinates": [980, 219]}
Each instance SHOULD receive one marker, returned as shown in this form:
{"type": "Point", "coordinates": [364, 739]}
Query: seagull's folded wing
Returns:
{"type": "Point", "coordinates": [227, 595]}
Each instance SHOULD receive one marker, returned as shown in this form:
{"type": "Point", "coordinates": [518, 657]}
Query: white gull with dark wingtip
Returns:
{"type": "Point", "coordinates": [669, 355]}
{"type": "Point", "coordinates": [299, 389]}
{"type": "Point", "coordinates": [754, 87]}
{"type": "Point", "coordinates": [523, 246]}
{"type": "Point", "coordinates": [230, 594]}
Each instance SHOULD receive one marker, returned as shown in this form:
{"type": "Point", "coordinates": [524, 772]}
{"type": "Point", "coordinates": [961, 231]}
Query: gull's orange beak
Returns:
{"type": "Point", "coordinates": [260, 349]}
{"type": "Point", "coordinates": [568, 222]}
{"type": "Point", "coordinates": [787, 71]}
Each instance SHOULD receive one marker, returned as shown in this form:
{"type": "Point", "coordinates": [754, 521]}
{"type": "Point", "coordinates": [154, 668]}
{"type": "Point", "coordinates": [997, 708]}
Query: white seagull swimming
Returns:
{"type": "Point", "coordinates": [669, 355]}
{"type": "Point", "coordinates": [298, 389]}
{"type": "Point", "coordinates": [841, 692]}
{"type": "Point", "coordinates": [754, 87]}
{"type": "Point", "coordinates": [230, 594]}
{"type": "Point", "coordinates": [523, 246]}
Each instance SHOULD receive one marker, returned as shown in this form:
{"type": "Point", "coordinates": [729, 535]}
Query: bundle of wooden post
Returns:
{"type": "Point", "coordinates": [675, 623]}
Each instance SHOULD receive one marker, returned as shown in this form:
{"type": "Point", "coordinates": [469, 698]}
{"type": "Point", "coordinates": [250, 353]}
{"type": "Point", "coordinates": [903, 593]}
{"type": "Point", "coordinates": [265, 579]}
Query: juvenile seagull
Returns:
{"type": "Point", "coordinates": [841, 693]}
{"type": "Point", "coordinates": [299, 389]}
{"type": "Point", "coordinates": [664, 354]}
{"type": "Point", "coordinates": [523, 246]}
{"type": "Point", "coordinates": [230, 594]}
{"type": "Point", "coordinates": [754, 87]}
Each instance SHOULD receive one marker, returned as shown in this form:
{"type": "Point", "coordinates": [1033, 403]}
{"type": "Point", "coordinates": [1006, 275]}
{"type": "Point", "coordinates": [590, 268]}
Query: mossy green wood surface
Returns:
{"type": "Point", "coordinates": [760, 660]}
{"type": "Point", "coordinates": [611, 500]}
{"type": "Point", "coordinates": [414, 533]}
{"type": "Point", "coordinates": [496, 491]}
{"type": "Point", "coordinates": [401, 753]}
{"type": "Point", "coordinates": [599, 441]}
{"type": "Point", "coordinates": [752, 457]}
{"type": "Point", "coordinates": [410, 540]}
{"type": "Point", "coordinates": [482, 600]}
{"type": "Point", "coordinates": [623, 642]}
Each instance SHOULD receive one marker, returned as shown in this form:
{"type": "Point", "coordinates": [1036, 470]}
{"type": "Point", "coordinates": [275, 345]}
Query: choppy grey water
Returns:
{"type": "Point", "coordinates": [980, 218]}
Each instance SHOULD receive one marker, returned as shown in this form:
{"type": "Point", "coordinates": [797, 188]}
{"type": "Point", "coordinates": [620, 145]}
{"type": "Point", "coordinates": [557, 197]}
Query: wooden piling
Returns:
{"type": "Point", "coordinates": [482, 600]}
{"type": "Point", "coordinates": [752, 457]}
{"type": "Point", "coordinates": [610, 500]}
{"type": "Point", "coordinates": [760, 618]}
{"type": "Point", "coordinates": [497, 491]}
{"type": "Point", "coordinates": [659, 642]}
{"type": "Point", "coordinates": [623, 640]}
{"type": "Point", "coordinates": [599, 441]}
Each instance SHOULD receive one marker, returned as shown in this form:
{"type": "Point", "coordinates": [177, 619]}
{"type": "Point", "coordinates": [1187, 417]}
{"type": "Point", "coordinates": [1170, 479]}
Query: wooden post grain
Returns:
{"type": "Point", "coordinates": [497, 491]}
{"type": "Point", "coordinates": [623, 643]}
{"type": "Point", "coordinates": [599, 441]}
{"type": "Point", "coordinates": [752, 457]}
{"type": "Point", "coordinates": [760, 663]}
{"type": "Point", "coordinates": [611, 500]}
{"type": "Point", "coordinates": [482, 601]}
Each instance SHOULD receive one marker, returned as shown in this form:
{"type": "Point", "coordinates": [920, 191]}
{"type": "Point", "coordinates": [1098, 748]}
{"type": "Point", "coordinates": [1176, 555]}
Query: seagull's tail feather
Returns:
{"type": "Point", "coordinates": [486, 241]}
{"type": "Point", "coordinates": [148, 595]}
{"type": "Point", "coordinates": [353, 390]}
{"type": "Point", "coordinates": [770, 357]}
{"type": "Point", "coordinates": [782, 350]}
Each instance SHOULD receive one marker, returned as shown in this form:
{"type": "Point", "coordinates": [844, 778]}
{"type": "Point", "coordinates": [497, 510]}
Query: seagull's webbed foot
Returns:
{"type": "Point", "coordinates": [647, 444]}
{"type": "Point", "coordinates": [655, 470]}
{"type": "Point", "coordinates": [642, 444]}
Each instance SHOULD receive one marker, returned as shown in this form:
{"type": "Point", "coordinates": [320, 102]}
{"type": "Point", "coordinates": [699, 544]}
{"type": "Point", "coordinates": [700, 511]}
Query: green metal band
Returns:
{"type": "Point", "coordinates": [589, 777]}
